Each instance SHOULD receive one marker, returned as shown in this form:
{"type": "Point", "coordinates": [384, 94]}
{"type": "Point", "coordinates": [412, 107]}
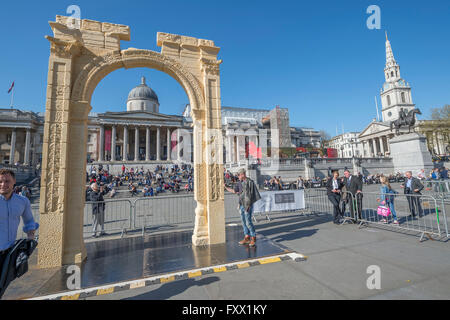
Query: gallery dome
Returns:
{"type": "Point", "coordinates": [142, 92]}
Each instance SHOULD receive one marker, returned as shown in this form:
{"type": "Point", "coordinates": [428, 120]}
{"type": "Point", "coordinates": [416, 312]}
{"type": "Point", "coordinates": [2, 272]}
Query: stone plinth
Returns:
{"type": "Point", "coordinates": [409, 152]}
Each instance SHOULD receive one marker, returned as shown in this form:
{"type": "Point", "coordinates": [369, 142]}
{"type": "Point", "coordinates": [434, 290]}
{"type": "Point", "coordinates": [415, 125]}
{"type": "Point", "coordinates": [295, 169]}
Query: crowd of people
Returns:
{"type": "Point", "coordinates": [23, 191]}
{"type": "Point", "coordinates": [149, 183]}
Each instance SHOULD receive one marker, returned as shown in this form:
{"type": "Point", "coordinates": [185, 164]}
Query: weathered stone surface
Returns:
{"type": "Point", "coordinates": [409, 152]}
{"type": "Point", "coordinates": [79, 60]}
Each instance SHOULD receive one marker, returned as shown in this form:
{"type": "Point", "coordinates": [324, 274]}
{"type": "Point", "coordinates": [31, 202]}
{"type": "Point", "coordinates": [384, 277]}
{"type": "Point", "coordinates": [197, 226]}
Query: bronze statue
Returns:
{"type": "Point", "coordinates": [405, 120]}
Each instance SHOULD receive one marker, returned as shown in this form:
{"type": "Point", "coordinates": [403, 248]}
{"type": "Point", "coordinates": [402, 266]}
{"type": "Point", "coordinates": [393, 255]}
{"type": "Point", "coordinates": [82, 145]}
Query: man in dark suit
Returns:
{"type": "Point", "coordinates": [334, 187]}
{"type": "Point", "coordinates": [413, 186]}
{"type": "Point", "coordinates": [354, 186]}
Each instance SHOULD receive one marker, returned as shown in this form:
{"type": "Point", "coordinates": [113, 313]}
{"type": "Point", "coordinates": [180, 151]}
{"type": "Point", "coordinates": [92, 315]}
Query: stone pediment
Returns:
{"type": "Point", "coordinates": [139, 115]}
{"type": "Point", "coordinates": [374, 128]}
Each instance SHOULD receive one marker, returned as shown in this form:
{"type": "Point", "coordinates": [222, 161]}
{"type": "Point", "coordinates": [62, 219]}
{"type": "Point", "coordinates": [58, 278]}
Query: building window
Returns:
{"type": "Point", "coordinates": [142, 105]}
{"type": "Point", "coordinates": [89, 138]}
{"type": "Point", "coordinates": [388, 100]}
{"type": "Point", "coordinates": [392, 73]}
{"type": "Point", "coordinates": [403, 97]}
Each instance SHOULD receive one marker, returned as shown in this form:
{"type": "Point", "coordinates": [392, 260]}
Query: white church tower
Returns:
{"type": "Point", "coordinates": [396, 93]}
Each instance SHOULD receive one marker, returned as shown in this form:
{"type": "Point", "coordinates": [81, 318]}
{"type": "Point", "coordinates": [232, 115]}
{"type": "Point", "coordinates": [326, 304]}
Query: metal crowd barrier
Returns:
{"type": "Point", "coordinates": [444, 208]}
{"type": "Point", "coordinates": [430, 219]}
{"type": "Point", "coordinates": [178, 211]}
{"type": "Point", "coordinates": [117, 216]}
{"type": "Point", "coordinates": [164, 211]}
{"type": "Point", "coordinates": [438, 186]}
{"type": "Point", "coordinates": [316, 201]}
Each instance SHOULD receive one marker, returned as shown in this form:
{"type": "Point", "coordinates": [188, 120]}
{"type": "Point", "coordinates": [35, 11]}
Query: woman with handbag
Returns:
{"type": "Point", "coordinates": [387, 198]}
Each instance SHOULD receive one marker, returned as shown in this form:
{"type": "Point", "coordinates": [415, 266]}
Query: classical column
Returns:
{"type": "Point", "coordinates": [168, 144]}
{"type": "Point", "coordinates": [101, 156]}
{"type": "Point", "coordinates": [26, 160]}
{"type": "Point", "coordinates": [388, 147]}
{"type": "Point", "coordinates": [241, 148]}
{"type": "Point", "coordinates": [125, 144]}
{"type": "Point", "coordinates": [381, 146]}
{"type": "Point", "coordinates": [178, 146]}
{"type": "Point", "coordinates": [374, 144]}
{"type": "Point", "coordinates": [235, 149]}
{"type": "Point", "coordinates": [441, 142]}
{"type": "Point", "coordinates": [13, 147]}
{"type": "Point", "coordinates": [158, 144]}
{"type": "Point", "coordinates": [252, 140]}
{"type": "Point", "coordinates": [136, 144]}
{"type": "Point", "coordinates": [113, 143]}
{"type": "Point", "coordinates": [229, 148]}
{"type": "Point", "coordinates": [147, 144]}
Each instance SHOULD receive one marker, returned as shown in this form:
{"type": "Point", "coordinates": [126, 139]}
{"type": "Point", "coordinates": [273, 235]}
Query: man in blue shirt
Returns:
{"type": "Point", "coordinates": [12, 208]}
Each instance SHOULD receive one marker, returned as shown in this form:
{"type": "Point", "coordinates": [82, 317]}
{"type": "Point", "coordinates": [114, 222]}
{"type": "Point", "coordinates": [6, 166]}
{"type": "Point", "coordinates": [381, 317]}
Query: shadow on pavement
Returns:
{"type": "Point", "coordinates": [171, 289]}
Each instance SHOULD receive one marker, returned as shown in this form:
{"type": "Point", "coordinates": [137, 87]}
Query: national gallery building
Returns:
{"type": "Point", "coordinates": [142, 134]}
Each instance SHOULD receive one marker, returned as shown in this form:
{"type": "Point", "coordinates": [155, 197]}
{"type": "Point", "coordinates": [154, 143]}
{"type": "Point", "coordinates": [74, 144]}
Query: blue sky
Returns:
{"type": "Point", "coordinates": [317, 58]}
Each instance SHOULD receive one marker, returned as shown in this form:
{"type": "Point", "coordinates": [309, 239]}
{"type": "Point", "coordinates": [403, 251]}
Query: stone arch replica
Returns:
{"type": "Point", "coordinates": [83, 52]}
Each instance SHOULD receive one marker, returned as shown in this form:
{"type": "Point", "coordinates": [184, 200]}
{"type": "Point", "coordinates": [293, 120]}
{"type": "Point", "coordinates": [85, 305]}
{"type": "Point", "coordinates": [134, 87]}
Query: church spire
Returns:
{"type": "Point", "coordinates": [392, 69]}
{"type": "Point", "coordinates": [143, 81]}
{"type": "Point", "coordinates": [390, 60]}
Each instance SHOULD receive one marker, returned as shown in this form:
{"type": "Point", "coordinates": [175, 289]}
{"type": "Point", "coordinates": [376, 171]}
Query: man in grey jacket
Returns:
{"type": "Point", "coordinates": [248, 195]}
{"type": "Point", "coordinates": [412, 188]}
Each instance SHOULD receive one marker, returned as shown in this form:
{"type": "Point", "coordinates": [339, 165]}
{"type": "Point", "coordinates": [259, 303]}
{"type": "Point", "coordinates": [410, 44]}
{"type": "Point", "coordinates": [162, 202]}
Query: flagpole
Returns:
{"type": "Point", "coordinates": [12, 97]}
{"type": "Point", "coordinates": [376, 104]}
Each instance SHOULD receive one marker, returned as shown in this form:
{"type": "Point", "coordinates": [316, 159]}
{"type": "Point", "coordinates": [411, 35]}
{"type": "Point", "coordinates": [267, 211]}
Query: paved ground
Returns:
{"type": "Point", "coordinates": [338, 258]}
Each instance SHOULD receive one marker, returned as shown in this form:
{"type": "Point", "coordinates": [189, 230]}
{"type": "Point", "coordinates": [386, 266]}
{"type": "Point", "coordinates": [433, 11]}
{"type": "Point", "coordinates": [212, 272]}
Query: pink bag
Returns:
{"type": "Point", "coordinates": [383, 211]}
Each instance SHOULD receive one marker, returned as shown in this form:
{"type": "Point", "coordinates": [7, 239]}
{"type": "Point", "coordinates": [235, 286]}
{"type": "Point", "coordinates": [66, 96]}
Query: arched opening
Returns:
{"type": "Point", "coordinates": [131, 144]}
{"type": "Point", "coordinates": [134, 177]}
{"type": "Point", "coordinates": [139, 98]}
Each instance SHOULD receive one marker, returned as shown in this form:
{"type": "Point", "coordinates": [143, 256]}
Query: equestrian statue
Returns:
{"type": "Point", "coordinates": [405, 120]}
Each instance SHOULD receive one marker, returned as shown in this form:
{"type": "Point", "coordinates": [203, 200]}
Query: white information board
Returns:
{"type": "Point", "coordinates": [272, 201]}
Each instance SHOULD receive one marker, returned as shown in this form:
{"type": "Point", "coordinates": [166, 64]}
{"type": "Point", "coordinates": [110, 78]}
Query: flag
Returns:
{"type": "Point", "coordinates": [12, 86]}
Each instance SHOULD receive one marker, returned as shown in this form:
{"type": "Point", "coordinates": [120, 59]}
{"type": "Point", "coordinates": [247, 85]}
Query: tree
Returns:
{"type": "Point", "coordinates": [442, 113]}
{"type": "Point", "coordinates": [324, 137]}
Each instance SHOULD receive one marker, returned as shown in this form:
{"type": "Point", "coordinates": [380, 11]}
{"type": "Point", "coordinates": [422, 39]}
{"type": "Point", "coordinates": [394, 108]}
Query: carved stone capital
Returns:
{"type": "Point", "coordinates": [64, 49]}
{"type": "Point", "coordinates": [210, 66]}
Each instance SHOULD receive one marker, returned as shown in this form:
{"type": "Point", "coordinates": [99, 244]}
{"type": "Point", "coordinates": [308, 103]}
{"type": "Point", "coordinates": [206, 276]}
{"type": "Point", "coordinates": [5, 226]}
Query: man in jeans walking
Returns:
{"type": "Point", "coordinates": [248, 195]}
